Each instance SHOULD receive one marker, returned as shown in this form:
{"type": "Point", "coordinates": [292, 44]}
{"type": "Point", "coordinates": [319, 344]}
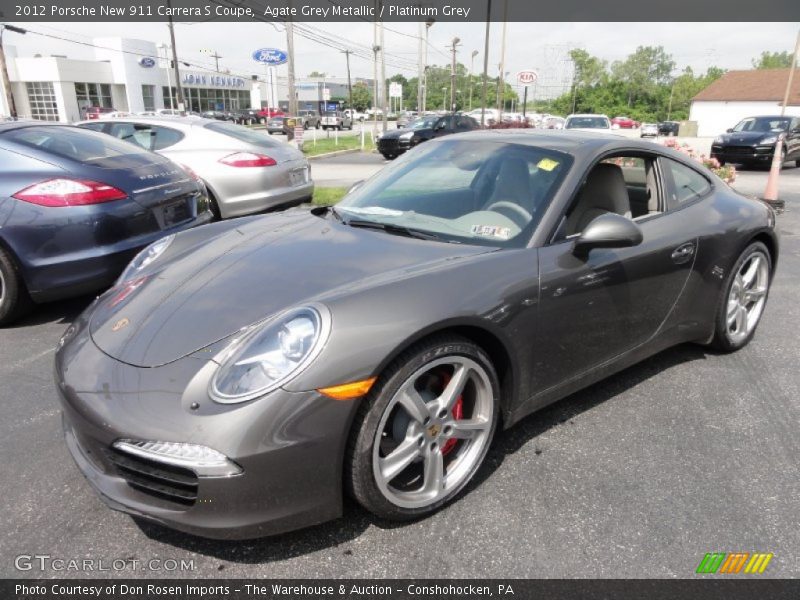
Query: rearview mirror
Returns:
{"type": "Point", "coordinates": [730, 130]}
{"type": "Point", "coordinates": [609, 230]}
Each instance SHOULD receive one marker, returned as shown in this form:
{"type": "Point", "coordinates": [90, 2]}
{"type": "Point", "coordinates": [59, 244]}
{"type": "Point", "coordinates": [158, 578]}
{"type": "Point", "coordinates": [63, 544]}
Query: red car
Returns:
{"type": "Point", "coordinates": [625, 123]}
{"type": "Point", "coordinates": [94, 112]}
{"type": "Point", "coordinates": [267, 113]}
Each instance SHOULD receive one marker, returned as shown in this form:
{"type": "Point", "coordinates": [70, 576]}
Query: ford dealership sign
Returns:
{"type": "Point", "coordinates": [147, 62]}
{"type": "Point", "coordinates": [270, 56]}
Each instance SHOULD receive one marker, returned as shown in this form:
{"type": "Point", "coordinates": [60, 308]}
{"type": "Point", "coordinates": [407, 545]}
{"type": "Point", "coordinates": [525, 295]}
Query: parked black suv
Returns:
{"type": "Point", "coordinates": [753, 141]}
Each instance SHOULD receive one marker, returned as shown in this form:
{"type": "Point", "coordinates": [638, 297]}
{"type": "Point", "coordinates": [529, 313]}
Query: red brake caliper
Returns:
{"type": "Point", "coordinates": [458, 413]}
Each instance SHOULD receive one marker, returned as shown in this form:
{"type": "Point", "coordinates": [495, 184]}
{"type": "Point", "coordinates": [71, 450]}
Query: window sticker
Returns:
{"type": "Point", "coordinates": [503, 233]}
{"type": "Point", "coordinates": [547, 164]}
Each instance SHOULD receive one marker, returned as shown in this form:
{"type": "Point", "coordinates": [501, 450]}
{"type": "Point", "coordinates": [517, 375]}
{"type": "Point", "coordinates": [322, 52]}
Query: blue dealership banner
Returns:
{"type": "Point", "coordinates": [400, 10]}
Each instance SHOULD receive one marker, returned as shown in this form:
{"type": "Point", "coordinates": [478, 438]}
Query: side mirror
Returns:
{"type": "Point", "coordinates": [441, 125]}
{"type": "Point", "coordinates": [355, 186]}
{"type": "Point", "coordinates": [609, 230]}
{"type": "Point", "coordinates": [729, 130]}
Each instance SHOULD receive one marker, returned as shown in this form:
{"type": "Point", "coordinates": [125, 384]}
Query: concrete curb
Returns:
{"type": "Point", "coordinates": [335, 153]}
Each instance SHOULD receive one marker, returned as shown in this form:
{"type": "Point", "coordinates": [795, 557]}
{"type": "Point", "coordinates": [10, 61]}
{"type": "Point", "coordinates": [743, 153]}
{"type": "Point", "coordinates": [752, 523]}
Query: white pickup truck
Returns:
{"type": "Point", "coordinates": [354, 114]}
{"type": "Point", "coordinates": [336, 120]}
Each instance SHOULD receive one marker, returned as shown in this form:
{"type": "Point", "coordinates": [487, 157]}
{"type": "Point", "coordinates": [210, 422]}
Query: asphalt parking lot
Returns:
{"type": "Point", "coordinates": [638, 476]}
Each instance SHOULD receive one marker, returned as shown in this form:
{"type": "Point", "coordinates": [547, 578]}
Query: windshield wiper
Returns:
{"type": "Point", "coordinates": [394, 229]}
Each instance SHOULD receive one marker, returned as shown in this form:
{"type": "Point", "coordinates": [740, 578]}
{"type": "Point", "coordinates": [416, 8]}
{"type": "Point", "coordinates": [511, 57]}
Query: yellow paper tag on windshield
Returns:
{"type": "Point", "coordinates": [547, 164]}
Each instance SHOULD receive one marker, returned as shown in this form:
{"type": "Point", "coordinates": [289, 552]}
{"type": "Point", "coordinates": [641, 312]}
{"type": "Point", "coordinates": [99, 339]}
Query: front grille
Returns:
{"type": "Point", "coordinates": [739, 150]}
{"type": "Point", "coordinates": [388, 144]}
{"type": "Point", "coordinates": [173, 484]}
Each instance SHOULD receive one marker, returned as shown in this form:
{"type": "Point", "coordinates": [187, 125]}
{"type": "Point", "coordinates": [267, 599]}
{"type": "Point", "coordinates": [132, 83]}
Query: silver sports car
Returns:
{"type": "Point", "coordinates": [244, 170]}
{"type": "Point", "coordinates": [242, 377]}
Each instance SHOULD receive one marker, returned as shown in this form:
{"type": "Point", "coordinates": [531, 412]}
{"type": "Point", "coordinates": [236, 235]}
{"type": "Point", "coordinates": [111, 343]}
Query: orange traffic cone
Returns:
{"type": "Point", "coordinates": [771, 193]}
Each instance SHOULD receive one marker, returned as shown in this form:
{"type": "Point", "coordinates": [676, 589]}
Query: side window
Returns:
{"type": "Point", "coordinates": [93, 126]}
{"type": "Point", "coordinates": [165, 137]}
{"type": "Point", "coordinates": [141, 135]}
{"type": "Point", "coordinates": [687, 184]}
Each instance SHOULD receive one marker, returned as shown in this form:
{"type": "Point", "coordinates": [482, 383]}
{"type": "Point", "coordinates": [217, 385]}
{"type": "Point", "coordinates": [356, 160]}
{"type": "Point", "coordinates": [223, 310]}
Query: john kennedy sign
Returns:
{"type": "Point", "coordinates": [208, 80]}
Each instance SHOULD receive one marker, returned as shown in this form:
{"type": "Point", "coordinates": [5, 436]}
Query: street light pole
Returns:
{"type": "Point", "coordinates": [471, 71]}
{"type": "Point", "coordinates": [12, 107]}
{"type": "Point", "coordinates": [453, 76]}
{"type": "Point", "coordinates": [501, 94]}
{"type": "Point", "coordinates": [486, 59]}
{"type": "Point", "coordinates": [165, 48]}
{"type": "Point", "coordinates": [792, 68]}
{"type": "Point", "coordinates": [428, 24]}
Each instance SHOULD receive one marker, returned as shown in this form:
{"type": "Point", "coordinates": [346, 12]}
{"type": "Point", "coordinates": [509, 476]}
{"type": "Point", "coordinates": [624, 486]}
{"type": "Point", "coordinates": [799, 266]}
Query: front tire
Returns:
{"type": "Point", "coordinates": [424, 429]}
{"type": "Point", "coordinates": [743, 298]}
{"type": "Point", "coordinates": [14, 299]}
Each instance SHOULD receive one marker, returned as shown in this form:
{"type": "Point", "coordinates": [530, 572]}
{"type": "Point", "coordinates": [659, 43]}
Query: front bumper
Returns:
{"type": "Point", "coordinates": [742, 154]}
{"type": "Point", "coordinates": [290, 446]}
{"type": "Point", "coordinates": [393, 145]}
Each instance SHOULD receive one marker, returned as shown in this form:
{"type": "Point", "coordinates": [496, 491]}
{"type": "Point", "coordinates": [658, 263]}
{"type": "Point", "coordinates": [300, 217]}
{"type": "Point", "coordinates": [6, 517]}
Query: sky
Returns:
{"type": "Point", "coordinates": [540, 46]}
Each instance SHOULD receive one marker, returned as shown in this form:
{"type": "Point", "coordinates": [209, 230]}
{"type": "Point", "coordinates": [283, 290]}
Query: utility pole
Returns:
{"type": "Point", "coordinates": [420, 65]}
{"type": "Point", "coordinates": [792, 68]}
{"type": "Point", "coordinates": [290, 65]}
{"type": "Point", "coordinates": [213, 54]}
{"type": "Point", "coordinates": [384, 105]}
{"type": "Point", "coordinates": [375, 49]}
{"type": "Point", "coordinates": [428, 24]}
{"type": "Point", "coordinates": [486, 59]}
{"type": "Point", "coordinates": [349, 83]}
{"type": "Point", "coordinates": [471, 71]}
{"type": "Point", "coordinates": [453, 75]}
{"type": "Point", "coordinates": [12, 107]}
{"type": "Point", "coordinates": [179, 91]}
{"type": "Point", "coordinates": [501, 83]}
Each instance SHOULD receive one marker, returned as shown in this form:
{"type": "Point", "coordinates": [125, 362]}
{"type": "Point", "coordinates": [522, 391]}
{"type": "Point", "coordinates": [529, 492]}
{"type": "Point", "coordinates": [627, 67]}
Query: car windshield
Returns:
{"type": "Point", "coordinates": [489, 193]}
{"type": "Point", "coordinates": [423, 123]}
{"type": "Point", "coordinates": [763, 124]}
{"type": "Point", "coordinates": [331, 114]}
{"type": "Point", "coordinates": [587, 123]}
{"type": "Point", "coordinates": [243, 134]}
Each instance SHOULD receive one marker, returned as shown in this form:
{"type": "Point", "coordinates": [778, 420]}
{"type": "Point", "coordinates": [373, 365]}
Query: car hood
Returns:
{"type": "Point", "coordinates": [205, 290]}
{"type": "Point", "coordinates": [747, 137]}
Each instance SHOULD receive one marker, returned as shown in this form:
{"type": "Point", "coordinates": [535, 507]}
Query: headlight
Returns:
{"type": "Point", "coordinates": [407, 136]}
{"type": "Point", "coordinates": [146, 257]}
{"type": "Point", "coordinates": [719, 140]}
{"type": "Point", "coordinates": [269, 354]}
{"type": "Point", "coordinates": [770, 139]}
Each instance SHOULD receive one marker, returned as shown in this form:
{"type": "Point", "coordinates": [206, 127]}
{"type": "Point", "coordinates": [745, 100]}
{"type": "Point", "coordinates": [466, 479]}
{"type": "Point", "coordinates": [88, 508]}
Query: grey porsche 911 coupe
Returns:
{"type": "Point", "coordinates": [241, 378]}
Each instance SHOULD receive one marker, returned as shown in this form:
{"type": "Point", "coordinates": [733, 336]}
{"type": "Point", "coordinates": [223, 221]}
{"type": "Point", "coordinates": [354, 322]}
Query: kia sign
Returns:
{"type": "Point", "coordinates": [147, 62]}
{"type": "Point", "coordinates": [527, 77]}
{"type": "Point", "coordinates": [270, 56]}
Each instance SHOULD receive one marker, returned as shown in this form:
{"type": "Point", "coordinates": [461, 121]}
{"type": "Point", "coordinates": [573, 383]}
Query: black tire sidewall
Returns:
{"type": "Point", "coordinates": [16, 300]}
{"type": "Point", "coordinates": [360, 480]}
{"type": "Point", "coordinates": [721, 339]}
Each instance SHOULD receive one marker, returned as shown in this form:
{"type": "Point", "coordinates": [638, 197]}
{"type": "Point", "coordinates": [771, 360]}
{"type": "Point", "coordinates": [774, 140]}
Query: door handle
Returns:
{"type": "Point", "coordinates": [683, 253]}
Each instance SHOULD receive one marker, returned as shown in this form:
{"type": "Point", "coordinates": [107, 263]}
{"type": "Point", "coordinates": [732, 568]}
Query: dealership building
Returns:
{"type": "Point", "coordinates": [132, 76]}
{"type": "Point", "coordinates": [740, 94]}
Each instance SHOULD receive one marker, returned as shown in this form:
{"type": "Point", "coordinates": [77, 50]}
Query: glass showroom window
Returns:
{"type": "Point", "coordinates": [149, 97]}
{"type": "Point", "coordinates": [170, 97]}
{"type": "Point", "coordinates": [94, 94]}
{"type": "Point", "coordinates": [42, 100]}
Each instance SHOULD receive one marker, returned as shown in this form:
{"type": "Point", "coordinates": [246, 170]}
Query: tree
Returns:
{"type": "Point", "coordinates": [317, 74]}
{"type": "Point", "coordinates": [643, 71]}
{"type": "Point", "coordinates": [362, 96]}
{"type": "Point", "coordinates": [773, 60]}
{"type": "Point", "coordinates": [589, 70]}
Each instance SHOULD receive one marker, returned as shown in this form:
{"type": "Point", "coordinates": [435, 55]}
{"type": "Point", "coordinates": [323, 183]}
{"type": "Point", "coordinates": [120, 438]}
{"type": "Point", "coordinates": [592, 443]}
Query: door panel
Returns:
{"type": "Point", "coordinates": [594, 309]}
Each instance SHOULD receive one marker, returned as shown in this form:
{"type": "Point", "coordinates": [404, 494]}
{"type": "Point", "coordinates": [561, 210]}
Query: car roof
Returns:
{"type": "Point", "coordinates": [185, 123]}
{"type": "Point", "coordinates": [565, 141]}
{"type": "Point", "coordinates": [587, 115]}
{"type": "Point", "coordinates": [9, 125]}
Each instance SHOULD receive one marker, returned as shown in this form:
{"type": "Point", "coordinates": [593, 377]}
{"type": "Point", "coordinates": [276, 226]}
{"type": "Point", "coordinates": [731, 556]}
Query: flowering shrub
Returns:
{"type": "Point", "coordinates": [726, 173]}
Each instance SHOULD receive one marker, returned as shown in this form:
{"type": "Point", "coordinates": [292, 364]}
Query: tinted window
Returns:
{"type": "Point", "coordinates": [73, 143]}
{"type": "Point", "coordinates": [587, 123]}
{"type": "Point", "coordinates": [243, 134]}
{"type": "Point", "coordinates": [688, 184]}
{"type": "Point", "coordinates": [149, 137]}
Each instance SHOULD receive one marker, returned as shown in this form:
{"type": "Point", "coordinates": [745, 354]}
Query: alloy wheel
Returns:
{"type": "Point", "coordinates": [433, 433]}
{"type": "Point", "coordinates": [747, 297]}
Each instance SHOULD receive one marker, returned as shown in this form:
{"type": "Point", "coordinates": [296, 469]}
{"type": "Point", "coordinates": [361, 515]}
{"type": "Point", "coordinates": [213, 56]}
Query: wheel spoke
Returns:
{"type": "Point", "coordinates": [741, 319]}
{"type": "Point", "coordinates": [434, 472]}
{"type": "Point", "coordinates": [467, 429]}
{"type": "Point", "coordinates": [413, 404]}
{"type": "Point", "coordinates": [454, 387]}
{"type": "Point", "coordinates": [733, 306]}
{"type": "Point", "coordinates": [402, 456]}
{"type": "Point", "coordinates": [749, 276]}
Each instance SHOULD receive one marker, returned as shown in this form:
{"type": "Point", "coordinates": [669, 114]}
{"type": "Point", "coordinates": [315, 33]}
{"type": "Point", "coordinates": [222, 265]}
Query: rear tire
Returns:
{"type": "Point", "coordinates": [440, 441]}
{"type": "Point", "coordinates": [742, 299]}
{"type": "Point", "coordinates": [14, 299]}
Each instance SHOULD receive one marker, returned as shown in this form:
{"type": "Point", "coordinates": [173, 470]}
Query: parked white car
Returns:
{"type": "Point", "coordinates": [336, 120]}
{"type": "Point", "coordinates": [353, 114]}
{"type": "Point", "coordinates": [492, 115]}
{"type": "Point", "coordinates": [588, 122]}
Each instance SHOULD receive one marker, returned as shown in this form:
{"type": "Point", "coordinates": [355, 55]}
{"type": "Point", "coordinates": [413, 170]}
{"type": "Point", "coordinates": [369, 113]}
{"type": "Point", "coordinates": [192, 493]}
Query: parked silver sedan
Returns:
{"type": "Point", "coordinates": [245, 171]}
